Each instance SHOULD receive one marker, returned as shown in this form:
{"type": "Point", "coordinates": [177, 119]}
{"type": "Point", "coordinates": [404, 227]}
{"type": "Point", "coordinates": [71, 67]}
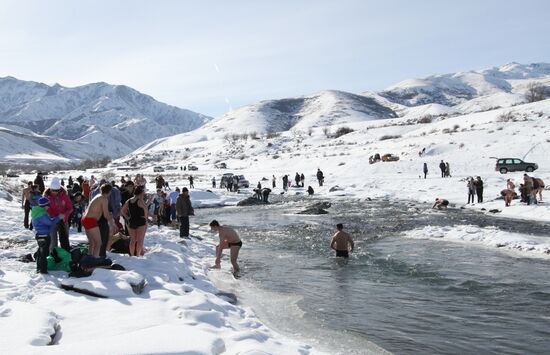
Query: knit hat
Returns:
{"type": "Point", "coordinates": [43, 202]}
{"type": "Point", "coordinates": [55, 184]}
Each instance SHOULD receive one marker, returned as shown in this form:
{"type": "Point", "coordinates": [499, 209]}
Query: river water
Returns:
{"type": "Point", "coordinates": [405, 295]}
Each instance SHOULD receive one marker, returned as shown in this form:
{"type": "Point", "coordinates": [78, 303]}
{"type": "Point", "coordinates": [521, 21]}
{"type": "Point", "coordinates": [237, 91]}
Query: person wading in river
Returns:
{"type": "Point", "coordinates": [341, 242]}
{"type": "Point", "coordinates": [229, 239]}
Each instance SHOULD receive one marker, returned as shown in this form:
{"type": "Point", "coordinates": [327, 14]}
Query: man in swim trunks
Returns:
{"type": "Point", "coordinates": [229, 239]}
{"type": "Point", "coordinates": [341, 242]}
{"type": "Point", "coordinates": [97, 213]}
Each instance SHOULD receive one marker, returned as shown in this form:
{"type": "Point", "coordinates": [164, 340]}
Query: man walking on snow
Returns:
{"type": "Point", "coordinates": [442, 167]}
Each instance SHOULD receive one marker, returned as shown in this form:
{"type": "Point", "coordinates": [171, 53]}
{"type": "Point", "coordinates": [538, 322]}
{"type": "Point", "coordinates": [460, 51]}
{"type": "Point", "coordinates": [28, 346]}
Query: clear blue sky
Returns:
{"type": "Point", "coordinates": [209, 56]}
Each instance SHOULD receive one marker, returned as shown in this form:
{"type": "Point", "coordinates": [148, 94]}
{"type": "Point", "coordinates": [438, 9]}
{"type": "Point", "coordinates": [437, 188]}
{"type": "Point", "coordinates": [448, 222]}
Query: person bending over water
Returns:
{"type": "Point", "coordinates": [229, 239]}
{"type": "Point", "coordinates": [440, 203]}
{"type": "Point", "coordinates": [96, 213]}
{"type": "Point", "coordinates": [341, 242]}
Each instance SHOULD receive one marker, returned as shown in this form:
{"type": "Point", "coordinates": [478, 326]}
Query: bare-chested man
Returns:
{"type": "Point", "coordinates": [26, 203]}
{"type": "Point", "coordinates": [341, 242]}
{"type": "Point", "coordinates": [96, 213]}
{"type": "Point", "coordinates": [229, 239]}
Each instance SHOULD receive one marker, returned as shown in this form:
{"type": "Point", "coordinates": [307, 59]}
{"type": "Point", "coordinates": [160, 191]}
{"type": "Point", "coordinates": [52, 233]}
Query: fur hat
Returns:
{"type": "Point", "coordinates": [55, 184]}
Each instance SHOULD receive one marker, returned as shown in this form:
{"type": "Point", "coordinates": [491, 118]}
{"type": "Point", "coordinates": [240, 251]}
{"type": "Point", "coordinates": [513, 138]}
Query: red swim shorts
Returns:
{"type": "Point", "coordinates": [89, 222]}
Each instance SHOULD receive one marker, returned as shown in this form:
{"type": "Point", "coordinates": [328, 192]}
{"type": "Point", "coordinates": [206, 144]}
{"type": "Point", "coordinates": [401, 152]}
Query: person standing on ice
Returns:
{"type": "Point", "coordinates": [302, 179]}
{"type": "Point", "coordinates": [447, 170]}
{"type": "Point", "coordinates": [297, 179]}
{"type": "Point", "coordinates": [442, 167]}
{"type": "Point", "coordinates": [471, 189]}
{"type": "Point", "coordinates": [320, 177]}
{"type": "Point", "coordinates": [274, 182]}
{"type": "Point", "coordinates": [229, 239]}
{"type": "Point", "coordinates": [425, 169]}
{"type": "Point", "coordinates": [191, 185]}
{"type": "Point", "coordinates": [479, 189]}
{"type": "Point", "coordinates": [43, 225]}
{"type": "Point", "coordinates": [341, 242]}
{"type": "Point", "coordinates": [213, 182]}
{"type": "Point", "coordinates": [285, 182]}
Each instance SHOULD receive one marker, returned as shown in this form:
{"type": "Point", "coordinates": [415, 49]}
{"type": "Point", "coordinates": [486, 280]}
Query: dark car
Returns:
{"type": "Point", "coordinates": [505, 165]}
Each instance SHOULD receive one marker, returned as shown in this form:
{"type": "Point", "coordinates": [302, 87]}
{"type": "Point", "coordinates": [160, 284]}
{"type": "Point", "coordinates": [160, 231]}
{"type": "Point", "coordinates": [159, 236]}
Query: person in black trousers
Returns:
{"type": "Point", "coordinates": [478, 183]}
{"type": "Point", "coordinates": [184, 209]}
{"type": "Point", "coordinates": [425, 169]}
{"type": "Point", "coordinates": [442, 167]}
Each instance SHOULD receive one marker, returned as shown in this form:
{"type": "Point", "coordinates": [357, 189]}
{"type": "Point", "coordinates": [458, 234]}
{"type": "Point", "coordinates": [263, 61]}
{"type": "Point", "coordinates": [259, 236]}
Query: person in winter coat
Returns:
{"type": "Point", "coordinates": [191, 186]}
{"type": "Point", "coordinates": [297, 179]}
{"type": "Point", "coordinates": [184, 209]}
{"type": "Point", "coordinates": [62, 206]}
{"type": "Point", "coordinates": [173, 198]}
{"type": "Point", "coordinates": [425, 169]}
{"type": "Point", "coordinates": [320, 177]}
{"type": "Point", "coordinates": [478, 183]}
{"type": "Point", "coordinates": [302, 179]}
{"type": "Point", "coordinates": [285, 182]}
{"type": "Point", "coordinates": [43, 225]}
{"type": "Point", "coordinates": [471, 189]}
{"type": "Point", "coordinates": [265, 194]}
{"type": "Point", "coordinates": [274, 182]}
{"type": "Point", "coordinates": [40, 182]}
{"type": "Point", "coordinates": [26, 203]}
{"type": "Point", "coordinates": [447, 169]}
{"type": "Point", "coordinates": [213, 182]}
{"type": "Point", "coordinates": [159, 182]}
{"type": "Point", "coordinates": [310, 190]}
{"type": "Point", "coordinates": [442, 167]}
{"type": "Point", "coordinates": [79, 206]}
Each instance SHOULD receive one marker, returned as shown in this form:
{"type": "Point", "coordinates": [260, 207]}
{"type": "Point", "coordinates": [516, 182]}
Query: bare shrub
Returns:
{"type": "Point", "coordinates": [342, 131]}
{"type": "Point", "coordinates": [426, 119]}
{"type": "Point", "coordinates": [506, 117]}
{"type": "Point", "coordinates": [272, 135]}
{"type": "Point", "coordinates": [535, 92]}
{"type": "Point", "coordinates": [388, 136]}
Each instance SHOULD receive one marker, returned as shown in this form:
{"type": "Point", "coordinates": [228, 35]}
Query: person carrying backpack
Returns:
{"type": "Point", "coordinates": [43, 224]}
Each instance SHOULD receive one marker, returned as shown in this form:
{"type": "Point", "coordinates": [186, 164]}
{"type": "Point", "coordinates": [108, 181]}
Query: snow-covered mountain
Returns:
{"type": "Point", "coordinates": [115, 119]}
{"type": "Point", "coordinates": [498, 86]}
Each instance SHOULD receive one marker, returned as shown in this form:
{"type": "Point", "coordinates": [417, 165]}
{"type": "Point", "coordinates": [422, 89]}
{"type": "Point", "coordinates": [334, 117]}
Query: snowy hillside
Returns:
{"type": "Point", "coordinates": [498, 87]}
{"type": "Point", "coordinates": [119, 117]}
{"type": "Point", "coordinates": [469, 142]}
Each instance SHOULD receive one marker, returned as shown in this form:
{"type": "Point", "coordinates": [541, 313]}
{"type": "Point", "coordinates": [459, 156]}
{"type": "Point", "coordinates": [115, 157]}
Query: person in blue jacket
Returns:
{"type": "Point", "coordinates": [43, 224]}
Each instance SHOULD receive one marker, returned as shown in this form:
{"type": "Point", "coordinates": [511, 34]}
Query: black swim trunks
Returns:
{"type": "Point", "coordinates": [342, 253]}
{"type": "Point", "coordinates": [238, 244]}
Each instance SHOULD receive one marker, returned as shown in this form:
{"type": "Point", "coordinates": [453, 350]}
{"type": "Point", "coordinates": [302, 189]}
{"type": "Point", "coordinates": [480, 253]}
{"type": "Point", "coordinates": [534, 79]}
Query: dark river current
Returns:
{"type": "Point", "coordinates": [404, 295]}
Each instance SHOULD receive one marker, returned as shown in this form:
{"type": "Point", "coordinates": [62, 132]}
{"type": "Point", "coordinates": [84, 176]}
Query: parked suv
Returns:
{"type": "Point", "coordinates": [505, 165]}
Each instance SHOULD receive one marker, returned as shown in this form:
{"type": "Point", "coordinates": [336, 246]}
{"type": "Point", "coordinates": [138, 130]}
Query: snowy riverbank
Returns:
{"type": "Point", "coordinates": [178, 311]}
